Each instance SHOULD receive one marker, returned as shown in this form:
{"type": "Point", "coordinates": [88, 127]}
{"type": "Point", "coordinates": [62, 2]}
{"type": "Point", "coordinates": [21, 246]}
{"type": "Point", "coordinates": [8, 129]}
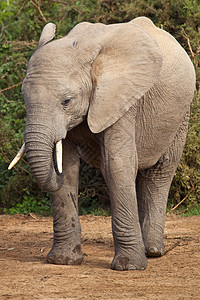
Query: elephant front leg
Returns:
{"type": "Point", "coordinates": [119, 167]}
{"type": "Point", "coordinates": [67, 231]}
{"type": "Point", "coordinates": [129, 247]}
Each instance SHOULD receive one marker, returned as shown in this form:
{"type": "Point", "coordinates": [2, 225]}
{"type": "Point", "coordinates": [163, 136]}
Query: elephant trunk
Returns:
{"type": "Point", "coordinates": [40, 151]}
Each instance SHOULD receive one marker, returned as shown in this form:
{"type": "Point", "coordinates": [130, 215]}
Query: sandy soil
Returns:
{"type": "Point", "coordinates": [26, 240]}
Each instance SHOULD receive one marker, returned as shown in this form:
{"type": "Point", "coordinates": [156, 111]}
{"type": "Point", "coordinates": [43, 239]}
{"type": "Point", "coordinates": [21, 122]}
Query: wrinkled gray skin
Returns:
{"type": "Point", "coordinates": [128, 89]}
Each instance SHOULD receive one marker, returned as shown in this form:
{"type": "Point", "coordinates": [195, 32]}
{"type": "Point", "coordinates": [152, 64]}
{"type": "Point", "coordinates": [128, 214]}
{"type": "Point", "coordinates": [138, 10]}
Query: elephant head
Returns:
{"type": "Point", "coordinates": [96, 72]}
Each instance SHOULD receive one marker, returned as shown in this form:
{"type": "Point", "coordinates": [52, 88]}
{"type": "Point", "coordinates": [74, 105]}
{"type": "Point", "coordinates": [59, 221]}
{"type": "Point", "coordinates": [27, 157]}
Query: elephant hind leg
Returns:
{"type": "Point", "coordinates": [152, 187]}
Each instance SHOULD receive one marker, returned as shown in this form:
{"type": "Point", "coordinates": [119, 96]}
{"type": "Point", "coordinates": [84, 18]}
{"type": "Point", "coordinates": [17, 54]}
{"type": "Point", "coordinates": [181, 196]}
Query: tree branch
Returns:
{"type": "Point", "coordinates": [61, 2]}
{"type": "Point", "coordinates": [9, 101]}
{"type": "Point", "coordinates": [190, 48]}
{"type": "Point", "coordinates": [173, 208]}
{"type": "Point", "coordinates": [40, 12]}
{"type": "Point", "coordinates": [11, 87]}
{"type": "Point", "coordinates": [23, 4]}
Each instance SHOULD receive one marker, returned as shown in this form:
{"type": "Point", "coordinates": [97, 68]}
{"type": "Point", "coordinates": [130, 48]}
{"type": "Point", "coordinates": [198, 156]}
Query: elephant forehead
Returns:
{"type": "Point", "coordinates": [47, 77]}
{"type": "Point", "coordinates": [57, 86]}
{"type": "Point", "coordinates": [33, 91]}
{"type": "Point", "coordinates": [50, 86]}
{"type": "Point", "coordinates": [42, 65]}
{"type": "Point", "coordinates": [53, 72]}
{"type": "Point", "coordinates": [52, 57]}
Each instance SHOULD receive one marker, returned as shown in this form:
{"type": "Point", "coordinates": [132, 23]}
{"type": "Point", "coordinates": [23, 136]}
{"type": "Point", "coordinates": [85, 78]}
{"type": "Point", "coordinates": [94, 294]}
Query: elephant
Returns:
{"type": "Point", "coordinates": [118, 96]}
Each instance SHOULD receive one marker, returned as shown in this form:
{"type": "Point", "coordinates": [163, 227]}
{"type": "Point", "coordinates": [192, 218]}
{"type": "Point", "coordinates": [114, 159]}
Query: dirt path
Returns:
{"type": "Point", "coordinates": [25, 242]}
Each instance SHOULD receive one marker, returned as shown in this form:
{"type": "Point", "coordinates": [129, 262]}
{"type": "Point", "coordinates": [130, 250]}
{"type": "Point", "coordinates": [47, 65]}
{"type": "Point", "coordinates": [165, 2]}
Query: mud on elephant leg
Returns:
{"type": "Point", "coordinates": [67, 231]}
{"type": "Point", "coordinates": [152, 187]}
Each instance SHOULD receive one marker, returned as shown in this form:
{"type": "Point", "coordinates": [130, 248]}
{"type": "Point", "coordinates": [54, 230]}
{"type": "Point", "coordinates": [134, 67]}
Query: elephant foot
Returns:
{"type": "Point", "coordinates": [65, 256]}
{"type": "Point", "coordinates": [155, 251]}
{"type": "Point", "coordinates": [128, 262]}
{"type": "Point", "coordinates": [154, 247]}
{"type": "Point", "coordinates": [153, 242]}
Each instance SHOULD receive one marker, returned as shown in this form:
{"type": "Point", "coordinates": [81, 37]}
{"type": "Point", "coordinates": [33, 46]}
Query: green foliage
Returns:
{"type": "Point", "coordinates": [93, 197]}
{"type": "Point", "coordinates": [193, 211]}
{"type": "Point", "coordinates": [30, 204]}
{"type": "Point", "coordinates": [5, 10]}
{"type": "Point", "coordinates": [21, 23]}
{"type": "Point", "coordinates": [91, 205]}
{"type": "Point", "coordinates": [186, 183]}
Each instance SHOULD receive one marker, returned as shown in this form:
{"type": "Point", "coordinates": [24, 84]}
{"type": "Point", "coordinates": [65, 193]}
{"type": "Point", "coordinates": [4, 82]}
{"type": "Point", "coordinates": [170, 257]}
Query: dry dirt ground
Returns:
{"type": "Point", "coordinates": [26, 240]}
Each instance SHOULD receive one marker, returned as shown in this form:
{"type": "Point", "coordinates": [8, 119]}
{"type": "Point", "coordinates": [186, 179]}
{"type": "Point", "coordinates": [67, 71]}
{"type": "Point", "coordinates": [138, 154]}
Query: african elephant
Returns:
{"type": "Point", "coordinates": [119, 97]}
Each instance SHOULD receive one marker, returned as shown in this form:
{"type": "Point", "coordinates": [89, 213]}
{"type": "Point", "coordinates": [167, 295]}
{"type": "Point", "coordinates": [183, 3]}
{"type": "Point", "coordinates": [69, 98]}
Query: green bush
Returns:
{"type": "Point", "coordinates": [186, 183]}
{"type": "Point", "coordinates": [21, 23]}
{"type": "Point", "coordinates": [31, 204]}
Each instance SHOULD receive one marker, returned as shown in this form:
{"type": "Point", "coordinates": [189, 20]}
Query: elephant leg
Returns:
{"type": "Point", "coordinates": [152, 187]}
{"type": "Point", "coordinates": [119, 168]}
{"type": "Point", "coordinates": [67, 231]}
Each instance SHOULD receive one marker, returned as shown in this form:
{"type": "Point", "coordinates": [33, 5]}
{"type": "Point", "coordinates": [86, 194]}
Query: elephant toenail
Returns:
{"type": "Point", "coordinates": [153, 250]}
{"type": "Point", "coordinates": [132, 268]}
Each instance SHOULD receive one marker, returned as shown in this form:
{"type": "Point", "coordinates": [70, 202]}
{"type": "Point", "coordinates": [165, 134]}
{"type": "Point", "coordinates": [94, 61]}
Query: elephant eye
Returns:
{"type": "Point", "coordinates": [66, 101]}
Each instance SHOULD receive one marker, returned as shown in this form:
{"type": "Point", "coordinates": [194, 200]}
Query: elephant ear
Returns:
{"type": "Point", "coordinates": [48, 33]}
{"type": "Point", "coordinates": [126, 67]}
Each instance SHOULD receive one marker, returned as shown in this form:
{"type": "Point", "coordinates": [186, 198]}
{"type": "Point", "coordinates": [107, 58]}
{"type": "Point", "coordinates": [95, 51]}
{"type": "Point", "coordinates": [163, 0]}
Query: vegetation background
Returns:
{"type": "Point", "coordinates": [21, 22]}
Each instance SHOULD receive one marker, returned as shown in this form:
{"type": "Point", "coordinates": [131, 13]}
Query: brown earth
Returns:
{"type": "Point", "coordinates": [26, 240]}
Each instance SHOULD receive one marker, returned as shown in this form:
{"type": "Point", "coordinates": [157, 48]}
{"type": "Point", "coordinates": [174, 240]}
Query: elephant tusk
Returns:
{"type": "Point", "coordinates": [17, 157]}
{"type": "Point", "coordinates": [59, 156]}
